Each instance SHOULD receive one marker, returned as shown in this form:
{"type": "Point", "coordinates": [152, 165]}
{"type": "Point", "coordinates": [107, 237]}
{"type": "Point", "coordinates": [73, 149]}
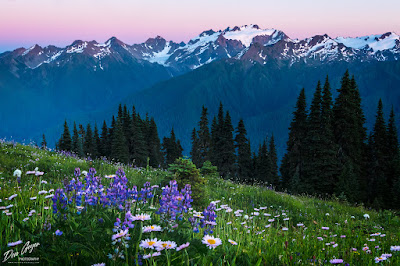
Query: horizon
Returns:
{"type": "Point", "coordinates": [42, 22]}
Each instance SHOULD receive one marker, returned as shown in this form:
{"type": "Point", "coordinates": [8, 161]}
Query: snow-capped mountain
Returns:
{"type": "Point", "coordinates": [247, 42]}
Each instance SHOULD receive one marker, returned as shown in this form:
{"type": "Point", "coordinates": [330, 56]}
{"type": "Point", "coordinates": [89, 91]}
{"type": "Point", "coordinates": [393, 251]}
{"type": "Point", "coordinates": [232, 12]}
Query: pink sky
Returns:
{"type": "Point", "coordinates": [60, 22]}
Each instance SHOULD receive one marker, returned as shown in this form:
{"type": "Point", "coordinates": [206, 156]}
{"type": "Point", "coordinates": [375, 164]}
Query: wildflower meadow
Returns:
{"type": "Point", "coordinates": [60, 210]}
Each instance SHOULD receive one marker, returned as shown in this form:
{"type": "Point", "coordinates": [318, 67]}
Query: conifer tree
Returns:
{"type": "Point", "coordinates": [119, 149]}
{"type": "Point", "coordinates": [103, 149]}
{"type": "Point", "coordinates": [66, 142]}
{"type": "Point", "coordinates": [204, 137]}
{"type": "Point", "coordinates": [228, 158]}
{"type": "Point", "coordinates": [44, 142]}
{"type": "Point", "coordinates": [380, 159]}
{"type": "Point", "coordinates": [81, 133]}
{"type": "Point", "coordinates": [111, 135]}
{"type": "Point", "coordinates": [264, 164]}
{"type": "Point", "coordinates": [329, 165]}
{"type": "Point", "coordinates": [313, 144]}
{"type": "Point", "coordinates": [195, 151]}
{"type": "Point", "coordinates": [213, 141]}
{"type": "Point", "coordinates": [393, 164]}
{"type": "Point", "coordinates": [138, 145]}
{"type": "Point", "coordinates": [171, 148]}
{"type": "Point", "coordinates": [75, 140]}
{"type": "Point", "coordinates": [350, 133]}
{"type": "Point", "coordinates": [244, 160]}
{"type": "Point", "coordinates": [274, 176]}
{"type": "Point", "coordinates": [88, 141]}
{"type": "Point", "coordinates": [153, 144]}
{"type": "Point", "coordinates": [96, 142]}
{"type": "Point", "coordinates": [293, 160]}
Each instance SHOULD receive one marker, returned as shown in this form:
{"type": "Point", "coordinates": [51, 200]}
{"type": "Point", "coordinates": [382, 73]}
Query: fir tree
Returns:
{"type": "Point", "coordinates": [44, 142]}
{"type": "Point", "coordinates": [88, 141]}
{"type": "Point", "coordinates": [75, 140]}
{"type": "Point", "coordinates": [96, 142]}
{"type": "Point", "coordinates": [244, 160]}
{"type": "Point", "coordinates": [312, 148]}
{"type": "Point", "coordinates": [204, 137]}
{"type": "Point", "coordinates": [350, 133]}
{"type": "Point", "coordinates": [380, 159]}
{"type": "Point", "coordinates": [103, 149]}
{"type": "Point", "coordinates": [264, 164]}
{"type": "Point", "coordinates": [293, 160]}
{"type": "Point", "coordinates": [81, 133]}
{"type": "Point", "coordinates": [66, 142]}
{"type": "Point", "coordinates": [195, 151]}
{"type": "Point", "coordinates": [119, 149]}
{"type": "Point", "coordinates": [274, 176]}
{"type": "Point", "coordinates": [138, 145]}
{"type": "Point", "coordinates": [227, 152]}
{"type": "Point", "coordinates": [171, 148]}
{"type": "Point", "coordinates": [153, 145]}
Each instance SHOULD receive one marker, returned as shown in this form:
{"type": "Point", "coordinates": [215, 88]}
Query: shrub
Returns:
{"type": "Point", "coordinates": [185, 172]}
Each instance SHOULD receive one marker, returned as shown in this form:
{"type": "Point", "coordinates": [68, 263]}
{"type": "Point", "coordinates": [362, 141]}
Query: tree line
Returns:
{"type": "Point", "coordinates": [329, 151]}
{"type": "Point", "coordinates": [130, 139]}
{"type": "Point", "coordinates": [229, 150]}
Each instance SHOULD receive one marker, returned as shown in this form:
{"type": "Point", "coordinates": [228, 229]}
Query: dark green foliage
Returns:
{"type": "Point", "coordinates": [185, 172]}
{"type": "Point", "coordinates": [244, 160]}
{"type": "Point", "coordinates": [44, 142]}
{"type": "Point", "coordinates": [119, 149]}
{"type": "Point", "coordinates": [103, 149]}
{"type": "Point", "coordinates": [263, 165]}
{"type": "Point", "coordinates": [227, 152]}
{"type": "Point", "coordinates": [65, 141]}
{"type": "Point", "coordinates": [208, 170]}
{"type": "Point", "coordinates": [195, 151]}
{"type": "Point", "coordinates": [88, 146]}
{"type": "Point", "coordinates": [137, 144]}
{"type": "Point", "coordinates": [153, 144]}
{"type": "Point", "coordinates": [379, 159]}
{"type": "Point", "coordinates": [393, 163]}
{"type": "Point", "coordinates": [75, 140]}
{"type": "Point", "coordinates": [204, 137]}
{"type": "Point", "coordinates": [96, 142]}
{"type": "Point", "coordinates": [81, 140]}
{"type": "Point", "coordinates": [293, 160]}
{"type": "Point", "coordinates": [171, 148]}
{"type": "Point", "coordinates": [274, 176]}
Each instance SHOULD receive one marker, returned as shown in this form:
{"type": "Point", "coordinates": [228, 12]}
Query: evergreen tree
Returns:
{"type": "Point", "coordinates": [96, 142]}
{"type": "Point", "coordinates": [103, 149]}
{"type": "Point", "coordinates": [44, 142]}
{"type": "Point", "coordinates": [138, 145]}
{"type": "Point", "coordinates": [81, 133]}
{"type": "Point", "coordinates": [66, 142]}
{"type": "Point", "coordinates": [380, 159]}
{"type": "Point", "coordinates": [350, 133]}
{"type": "Point", "coordinates": [244, 160]}
{"type": "Point", "coordinates": [111, 135]}
{"type": "Point", "coordinates": [204, 137]}
{"type": "Point", "coordinates": [119, 149]}
{"type": "Point", "coordinates": [213, 141]}
{"type": "Point", "coordinates": [274, 176]}
{"type": "Point", "coordinates": [153, 145]}
{"type": "Point", "coordinates": [293, 160]}
{"type": "Point", "coordinates": [88, 141]}
{"type": "Point", "coordinates": [393, 164]}
{"type": "Point", "coordinates": [75, 140]}
{"type": "Point", "coordinates": [312, 148]}
{"type": "Point", "coordinates": [329, 165]}
{"type": "Point", "coordinates": [264, 164]}
{"type": "Point", "coordinates": [227, 152]}
{"type": "Point", "coordinates": [171, 148]}
{"type": "Point", "coordinates": [195, 151]}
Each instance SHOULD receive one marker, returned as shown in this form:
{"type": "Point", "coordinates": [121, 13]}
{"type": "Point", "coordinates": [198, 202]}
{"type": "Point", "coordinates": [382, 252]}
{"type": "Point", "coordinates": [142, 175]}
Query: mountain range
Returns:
{"type": "Point", "coordinates": [257, 74]}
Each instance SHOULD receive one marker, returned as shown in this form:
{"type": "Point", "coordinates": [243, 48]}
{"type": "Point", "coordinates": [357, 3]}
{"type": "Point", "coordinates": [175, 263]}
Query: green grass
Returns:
{"type": "Point", "coordinates": [86, 241]}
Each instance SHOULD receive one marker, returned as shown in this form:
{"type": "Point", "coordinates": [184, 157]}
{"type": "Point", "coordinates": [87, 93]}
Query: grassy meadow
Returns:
{"type": "Point", "coordinates": [119, 215]}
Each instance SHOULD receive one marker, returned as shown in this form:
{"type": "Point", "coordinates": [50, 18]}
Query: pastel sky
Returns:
{"type": "Point", "coordinates": [60, 22]}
